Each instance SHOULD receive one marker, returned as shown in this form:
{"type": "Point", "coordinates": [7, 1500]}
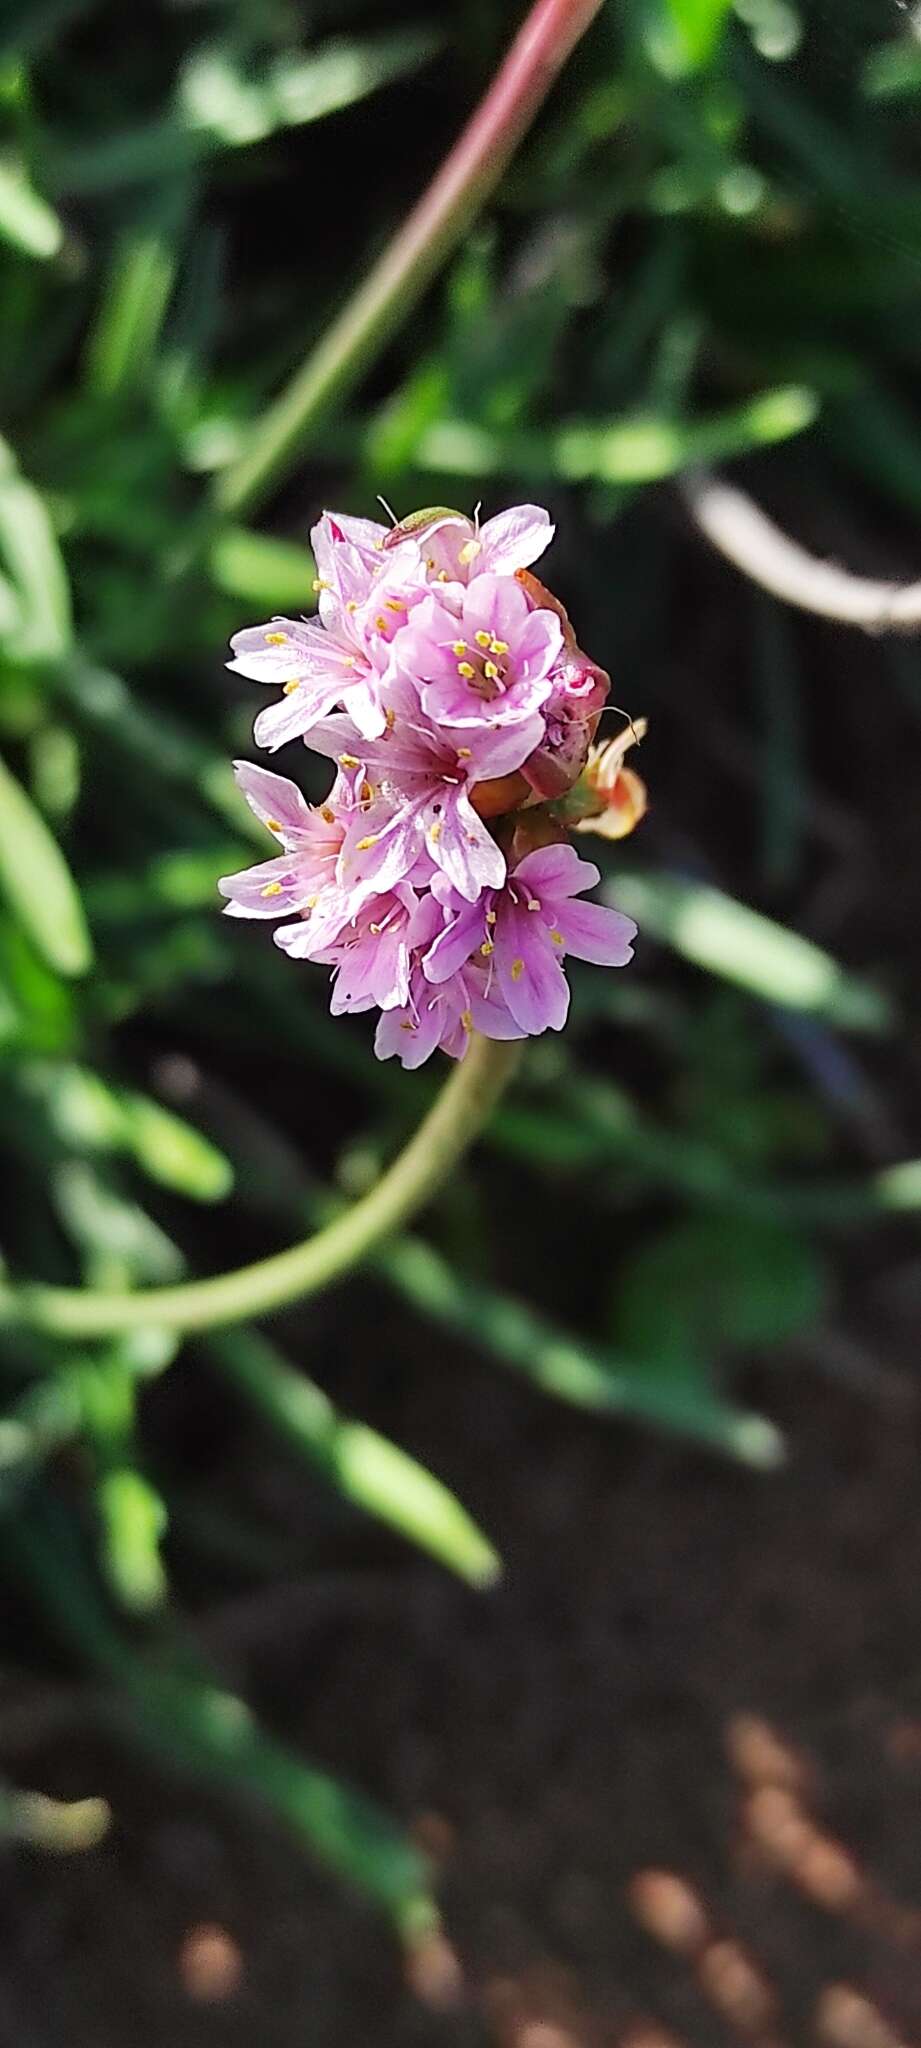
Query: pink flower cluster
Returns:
{"type": "Point", "coordinates": [446, 685]}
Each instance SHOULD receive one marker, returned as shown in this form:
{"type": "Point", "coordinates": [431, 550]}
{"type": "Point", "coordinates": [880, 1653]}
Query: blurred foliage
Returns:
{"type": "Point", "coordinates": [709, 248]}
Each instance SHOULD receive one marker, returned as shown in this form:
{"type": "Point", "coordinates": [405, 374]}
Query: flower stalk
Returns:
{"type": "Point", "coordinates": [425, 1163]}
{"type": "Point", "coordinates": [412, 258]}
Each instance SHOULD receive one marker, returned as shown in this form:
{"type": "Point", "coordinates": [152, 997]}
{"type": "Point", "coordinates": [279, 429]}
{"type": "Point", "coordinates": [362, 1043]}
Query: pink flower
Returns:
{"type": "Point", "coordinates": [443, 1014]}
{"type": "Point", "coordinates": [371, 953]}
{"type": "Point", "coordinates": [525, 931]}
{"type": "Point", "coordinates": [301, 881]}
{"type": "Point", "coordinates": [342, 656]}
{"type": "Point", "coordinates": [419, 776]}
{"type": "Point", "coordinates": [455, 548]}
{"type": "Point", "coordinates": [447, 685]}
{"type": "Point", "coordinates": [487, 660]}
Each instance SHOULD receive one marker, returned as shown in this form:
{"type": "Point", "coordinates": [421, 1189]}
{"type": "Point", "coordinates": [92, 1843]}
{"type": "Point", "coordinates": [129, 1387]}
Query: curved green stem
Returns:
{"type": "Point", "coordinates": [427, 1159]}
{"type": "Point", "coordinates": [410, 261]}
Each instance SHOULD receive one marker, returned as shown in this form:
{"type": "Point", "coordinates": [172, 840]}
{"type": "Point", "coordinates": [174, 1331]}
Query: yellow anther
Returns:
{"type": "Point", "coordinates": [351, 604]}
{"type": "Point", "coordinates": [498, 646]}
{"type": "Point", "coordinates": [395, 604]}
{"type": "Point", "coordinates": [294, 684]}
{"type": "Point", "coordinates": [492, 916]}
{"type": "Point", "coordinates": [464, 753]}
{"type": "Point", "coordinates": [367, 792]}
{"type": "Point", "coordinates": [467, 1020]}
{"type": "Point", "coordinates": [469, 551]}
{"type": "Point", "coordinates": [490, 671]}
{"type": "Point", "coordinates": [327, 815]}
{"type": "Point", "coordinates": [275, 639]}
{"type": "Point", "coordinates": [557, 938]}
{"type": "Point", "coordinates": [381, 623]}
{"type": "Point", "coordinates": [483, 639]}
{"type": "Point", "coordinates": [349, 761]}
{"type": "Point", "coordinates": [517, 969]}
{"type": "Point", "coordinates": [435, 833]}
{"type": "Point", "coordinates": [372, 839]}
{"type": "Point", "coordinates": [273, 824]}
{"type": "Point", "coordinates": [322, 583]}
{"type": "Point", "coordinates": [312, 902]}
{"type": "Point", "coordinates": [390, 717]}
{"type": "Point", "coordinates": [467, 670]}
{"type": "Point", "coordinates": [533, 903]}
{"type": "Point", "coordinates": [375, 928]}
{"type": "Point", "coordinates": [487, 948]}
{"type": "Point", "coordinates": [442, 576]}
{"type": "Point", "coordinates": [405, 1025]}
{"type": "Point", "coordinates": [271, 889]}
{"type": "Point", "coordinates": [459, 647]}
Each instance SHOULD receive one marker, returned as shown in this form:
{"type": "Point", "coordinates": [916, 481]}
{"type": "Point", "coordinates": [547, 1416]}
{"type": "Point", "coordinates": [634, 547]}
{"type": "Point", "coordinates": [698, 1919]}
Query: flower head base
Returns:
{"type": "Point", "coordinates": [446, 684]}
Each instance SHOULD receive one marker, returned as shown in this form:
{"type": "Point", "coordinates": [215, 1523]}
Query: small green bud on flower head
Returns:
{"type": "Point", "coordinates": [446, 684]}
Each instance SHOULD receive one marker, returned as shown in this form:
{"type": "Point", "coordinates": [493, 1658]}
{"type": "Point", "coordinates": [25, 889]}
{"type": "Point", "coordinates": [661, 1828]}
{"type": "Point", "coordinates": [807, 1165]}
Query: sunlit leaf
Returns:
{"type": "Point", "coordinates": [725, 937]}
{"type": "Point", "coordinates": [26, 220]}
{"type": "Point", "coordinates": [38, 884]}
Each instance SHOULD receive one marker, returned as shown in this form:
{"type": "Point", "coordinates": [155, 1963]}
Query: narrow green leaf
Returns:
{"type": "Point", "coordinates": [699, 24]}
{"type": "Point", "coordinates": [27, 222]}
{"type": "Point", "coordinates": [33, 561]}
{"type": "Point", "coordinates": [197, 1727]}
{"type": "Point", "coordinates": [725, 937]}
{"type": "Point", "coordinates": [369, 1470]}
{"type": "Point", "coordinates": [38, 884]}
{"type": "Point", "coordinates": [270, 574]}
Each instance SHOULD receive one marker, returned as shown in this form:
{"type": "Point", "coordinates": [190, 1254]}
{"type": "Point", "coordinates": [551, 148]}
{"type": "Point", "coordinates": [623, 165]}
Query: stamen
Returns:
{"type": "Point", "coordinates": [490, 671]}
{"type": "Point", "coordinates": [464, 753]}
{"type": "Point", "coordinates": [294, 684]}
{"type": "Point", "coordinates": [349, 761]}
{"type": "Point", "coordinates": [466, 1020]}
{"type": "Point", "coordinates": [363, 844]}
{"type": "Point", "coordinates": [381, 623]}
{"type": "Point", "coordinates": [498, 646]}
{"type": "Point", "coordinates": [436, 831]}
{"type": "Point", "coordinates": [487, 948]}
{"type": "Point", "coordinates": [459, 647]}
{"type": "Point", "coordinates": [467, 670]}
{"type": "Point", "coordinates": [322, 583]}
{"type": "Point", "coordinates": [351, 604]}
{"type": "Point", "coordinates": [273, 825]}
{"type": "Point", "coordinates": [483, 639]}
{"type": "Point", "coordinates": [271, 889]}
{"type": "Point", "coordinates": [312, 902]}
{"type": "Point", "coordinates": [492, 916]}
{"type": "Point", "coordinates": [557, 938]}
{"type": "Point", "coordinates": [275, 639]}
{"type": "Point", "coordinates": [469, 551]}
{"type": "Point", "coordinates": [390, 717]}
{"type": "Point", "coordinates": [533, 903]}
{"type": "Point", "coordinates": [328, 816]}
{"type": "Point", "coordinates": [517, 969]}
{"type": "Point", "coordinates": [395, 604]}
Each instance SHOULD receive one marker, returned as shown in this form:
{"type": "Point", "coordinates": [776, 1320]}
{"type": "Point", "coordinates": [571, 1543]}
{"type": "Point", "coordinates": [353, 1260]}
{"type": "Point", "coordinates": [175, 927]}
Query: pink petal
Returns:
{"type": "Point", "coordinates": [461, 846]}
{"type": "Point", "coordinates": [556, 871]}
{"type": "Point", "coordinates": [514, 539]}
{"type": "Point", "coordinates": [274, 799]}
{"type": "Point", "coordinates": [531, 979]}
{"type": "Point", "coordinates": [592, 932]}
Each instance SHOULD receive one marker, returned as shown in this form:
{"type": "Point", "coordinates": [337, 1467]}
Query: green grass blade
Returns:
{"type": "Point", "coordinates": [366, 1468]}
{"type": "Point", "coordinates": [38, 884]}
{"type": "Point", "coordinates": [726, 938]}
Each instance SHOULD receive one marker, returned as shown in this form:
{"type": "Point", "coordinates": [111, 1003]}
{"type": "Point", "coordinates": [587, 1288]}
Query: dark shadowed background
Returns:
{"type": "Point", "coordinates": [657, 1341]}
